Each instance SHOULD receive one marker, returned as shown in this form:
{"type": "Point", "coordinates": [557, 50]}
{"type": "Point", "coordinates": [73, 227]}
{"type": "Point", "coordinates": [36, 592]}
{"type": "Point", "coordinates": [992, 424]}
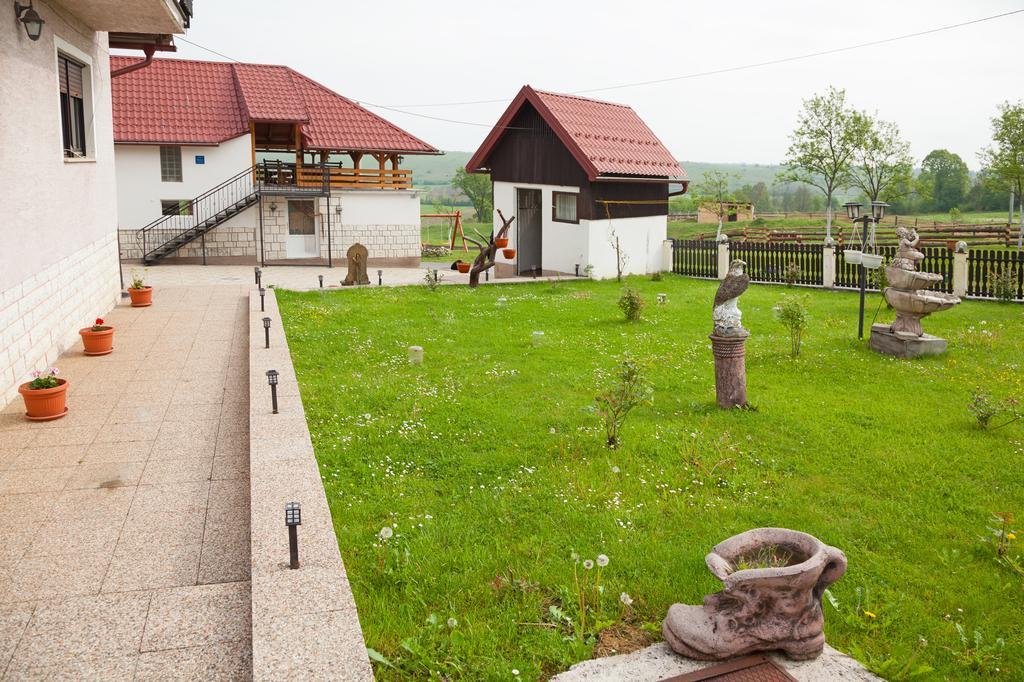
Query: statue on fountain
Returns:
{"type": "Point", "coordinates": [910, 296]}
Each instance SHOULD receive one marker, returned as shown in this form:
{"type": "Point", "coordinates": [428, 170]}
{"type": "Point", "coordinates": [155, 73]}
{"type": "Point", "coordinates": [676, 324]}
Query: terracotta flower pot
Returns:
{"type": "Point", "coordinates": [508, 253]}
{"type": "Point", "coordinates": [501, 243]}
{"type": "Point", "coordinates": [464, 267]}
{"type": "Point", "coordinates": [44, 404]}
{"type": "Point", "coordinates": [98, 342]}
{"type": "Point", "coordinates": [141, 297]}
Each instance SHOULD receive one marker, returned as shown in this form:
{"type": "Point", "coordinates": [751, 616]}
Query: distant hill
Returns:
{"type": "Point", "coordinates": [439, 170]}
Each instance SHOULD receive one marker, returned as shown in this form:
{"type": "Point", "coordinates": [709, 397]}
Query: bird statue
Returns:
{"type": "Point", "coordinates": [726, 314]}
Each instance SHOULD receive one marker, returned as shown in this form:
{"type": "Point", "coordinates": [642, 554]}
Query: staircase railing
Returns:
{"type": "Point", "coordinates": [192, 214]}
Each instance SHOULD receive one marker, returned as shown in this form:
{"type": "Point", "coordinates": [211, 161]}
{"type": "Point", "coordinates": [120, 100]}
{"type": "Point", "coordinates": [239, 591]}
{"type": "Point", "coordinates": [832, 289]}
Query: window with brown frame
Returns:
{"type": "Point", "coordinates": [71, 76]}
{"type": "Point", "coordinates": [565, 207]}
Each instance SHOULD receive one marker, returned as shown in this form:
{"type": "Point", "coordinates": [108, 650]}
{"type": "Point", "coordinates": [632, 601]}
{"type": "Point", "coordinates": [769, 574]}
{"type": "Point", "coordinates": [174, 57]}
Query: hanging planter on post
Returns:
{"type": "Point", "coordinates": [508, 253]}
{"type": "Point", "coordinates": [852, 256]}
{"type": "Point", "coordinates": [871, 261]}
{"type": "Point", "coordinates": [463, 266]}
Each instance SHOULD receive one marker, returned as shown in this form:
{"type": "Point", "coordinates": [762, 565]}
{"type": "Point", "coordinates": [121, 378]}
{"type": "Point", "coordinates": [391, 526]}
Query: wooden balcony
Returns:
{"type": "Point", "coordinates": [287, 175]}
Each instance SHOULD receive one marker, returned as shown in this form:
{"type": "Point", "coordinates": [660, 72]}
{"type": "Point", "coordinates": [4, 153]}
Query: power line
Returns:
{"type": "Point", "coordinates": [203, 47]}
{"type": "Point", "coordinates": [731, 69]}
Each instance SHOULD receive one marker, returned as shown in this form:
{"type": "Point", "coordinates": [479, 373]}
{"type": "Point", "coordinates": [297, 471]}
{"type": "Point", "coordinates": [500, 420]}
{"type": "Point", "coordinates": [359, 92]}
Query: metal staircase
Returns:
{"type": "Point", "coordinates": [168, 233]}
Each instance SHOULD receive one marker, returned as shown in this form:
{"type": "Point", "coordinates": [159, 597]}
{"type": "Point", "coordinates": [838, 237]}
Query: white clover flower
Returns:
{"type": "Point", "coordinates": [588, 564]}
{"type": "Point", "coordinates": [515, 672]}
{"type": "Point", "coordinates": [386, 533]}
{"type": "Point", "coordinates": [602, 560]}
{"type": "Point", "coordinates": [575, 557]}
{"type": "Point", "coordinates": [625, 599]}
{"type": "Point", "coordinates": [615, 470]}
{"type": "Point", "coordinates": [452, 623]}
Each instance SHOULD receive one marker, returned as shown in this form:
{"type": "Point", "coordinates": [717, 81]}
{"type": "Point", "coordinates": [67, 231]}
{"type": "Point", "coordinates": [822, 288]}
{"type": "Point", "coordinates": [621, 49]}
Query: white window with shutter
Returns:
{"type": "Point", "coordinates": [74, 84]}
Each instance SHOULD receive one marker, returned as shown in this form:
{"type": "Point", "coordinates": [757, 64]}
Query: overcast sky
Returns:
{"type": "Point", "coordinates": [941, 89]}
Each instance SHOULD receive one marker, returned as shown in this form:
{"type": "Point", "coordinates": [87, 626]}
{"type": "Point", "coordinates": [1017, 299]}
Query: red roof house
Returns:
{"type": "Point", "coordinates": [183, 101]}
{"type": "Point", "coordinates": [579, 174]}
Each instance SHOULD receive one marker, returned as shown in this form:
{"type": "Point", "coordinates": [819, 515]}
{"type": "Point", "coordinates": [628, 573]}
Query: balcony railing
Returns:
{"type": "Point", "coordinates": [281, 174]}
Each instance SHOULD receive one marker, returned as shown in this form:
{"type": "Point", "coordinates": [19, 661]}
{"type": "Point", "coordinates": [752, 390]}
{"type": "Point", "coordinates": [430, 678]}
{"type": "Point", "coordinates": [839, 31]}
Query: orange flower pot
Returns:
{"type": "Point", "coordinates": [508, 253]}
{"type": "Point", "coordinates": [44, 404]}
{"type": "Point", "coordinates": [463, 267]}
{"type": "Point", "coordinates": [97, 342]}
{"type": "Point", "coordinates": [141, 297]}
{"type": "Point", "coordinates": [501, 243]}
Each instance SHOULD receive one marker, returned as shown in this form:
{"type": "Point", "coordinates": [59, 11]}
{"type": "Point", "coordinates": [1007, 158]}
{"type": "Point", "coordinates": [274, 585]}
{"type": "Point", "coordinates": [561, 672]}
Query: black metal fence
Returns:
{"type": "Point", "coordinates": [780, 263]}
{"type": "Point", "coordinates": [936, 259]}
{"type": "Point", "coordinates": [986, 267]}
{"type": "Point", "coordinates": [695, 258]}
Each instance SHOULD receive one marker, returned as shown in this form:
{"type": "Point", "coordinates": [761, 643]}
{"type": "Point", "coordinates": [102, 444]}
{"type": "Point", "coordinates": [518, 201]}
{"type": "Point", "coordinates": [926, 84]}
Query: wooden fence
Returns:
{"type": "Point", "coordinates": [695, 258]}
{"type": "Point", "coordinates": [982, 264]}
{"type": "Point", "coordinates": [781, 263]}
{"type": "Point", "coordinates": [936, 259]}
{"type": "Point", "coordinates": [976, 272]}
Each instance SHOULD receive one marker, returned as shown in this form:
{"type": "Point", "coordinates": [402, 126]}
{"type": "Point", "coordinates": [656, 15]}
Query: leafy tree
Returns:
{"type": "Point", "coordinates": [1003, 162]}
{"type": "Point", "coordinates": [477, 188]}
{"type": "Point", "coordinates": [714, 194]}
{"type": "Point", "coordinates": [882, 165]}
{"type": "Point", "coordinates": [757, 195]}
{"type": "Point", "coordinates": [944, 180]}
{"type": "Point", "coordinates": [822, 146]}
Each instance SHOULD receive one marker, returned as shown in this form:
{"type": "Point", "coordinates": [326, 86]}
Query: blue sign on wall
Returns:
{"type": "Point", "coordinates": [200, 160]}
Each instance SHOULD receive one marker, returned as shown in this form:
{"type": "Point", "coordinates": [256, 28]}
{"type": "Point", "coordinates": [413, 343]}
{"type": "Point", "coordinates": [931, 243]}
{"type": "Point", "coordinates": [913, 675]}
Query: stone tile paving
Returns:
{"type": "Point", "coordinates": [125, 525]}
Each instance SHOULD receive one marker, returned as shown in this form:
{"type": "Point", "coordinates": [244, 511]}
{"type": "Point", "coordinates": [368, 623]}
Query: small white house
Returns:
{"type": "Point", "coordinates": [579, 175]}
{"type": "Point", "coordinates": [58, 222]}
{"type": "Point", "coordinates": [243, 163]}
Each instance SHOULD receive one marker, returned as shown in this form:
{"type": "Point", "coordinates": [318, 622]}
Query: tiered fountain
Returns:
{"type": "Point", "coordinates": [910, 296]}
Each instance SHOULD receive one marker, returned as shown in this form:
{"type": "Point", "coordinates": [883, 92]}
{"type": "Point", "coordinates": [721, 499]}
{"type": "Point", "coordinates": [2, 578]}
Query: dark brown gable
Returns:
{"type": "Point", "coordinates": [529, 151]}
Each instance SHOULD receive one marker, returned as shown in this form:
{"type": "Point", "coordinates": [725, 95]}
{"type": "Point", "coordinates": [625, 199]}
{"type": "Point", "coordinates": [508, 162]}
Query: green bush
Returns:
{"type": "Point", "coordinates": [631, 304]}
{"type": "Point", "coordinates": [791, 311]}
{"type": "Point", "coordinates": [1004, 283]}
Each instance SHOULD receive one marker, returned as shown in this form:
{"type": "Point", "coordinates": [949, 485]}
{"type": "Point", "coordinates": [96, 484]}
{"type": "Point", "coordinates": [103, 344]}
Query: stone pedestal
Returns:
{"type": "Point", "coordinates": [730, 369]}
{"type": "Point", "coordinates": [903, 344]}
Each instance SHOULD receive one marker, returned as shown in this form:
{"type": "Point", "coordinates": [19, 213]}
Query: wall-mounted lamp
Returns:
{"type": "Point", "coordinates": [273, 208]}
{"type": "Point", "coordinates": [272, 380]}
{"type": "Point", "coordinates": [293, 519]}
{"type": "Point", "coordinates": [30, 18]}
{"type": "Point", "coordinates": [266, 330]}
{"type": "Point", "coordinates": [337, 209]}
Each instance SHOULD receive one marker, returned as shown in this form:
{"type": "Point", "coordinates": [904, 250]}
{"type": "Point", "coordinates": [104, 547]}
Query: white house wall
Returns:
{"type": "Point", "coordinates": [58, 253]}
{"type": "Point", "coordinates": [140, 189]}
{"type": "Point", "coordinates": [588, 243]}
{"type": "Point", "coordinates": [640, 240]}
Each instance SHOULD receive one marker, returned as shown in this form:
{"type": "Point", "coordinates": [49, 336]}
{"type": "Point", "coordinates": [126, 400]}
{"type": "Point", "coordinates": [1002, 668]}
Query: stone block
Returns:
{"type": "Point", "coordinates": [902, 345]}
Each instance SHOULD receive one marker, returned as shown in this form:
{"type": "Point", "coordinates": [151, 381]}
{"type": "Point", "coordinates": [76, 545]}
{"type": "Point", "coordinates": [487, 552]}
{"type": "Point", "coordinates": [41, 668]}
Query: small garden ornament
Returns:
{"type": "Point", "coordinates": [774, 579]}
{"type": "Point", "coordinates": [728, 338]}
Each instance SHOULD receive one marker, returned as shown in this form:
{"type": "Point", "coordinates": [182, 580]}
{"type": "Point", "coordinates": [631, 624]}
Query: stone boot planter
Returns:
{"type": "Point", "coordinates": [760, 609]}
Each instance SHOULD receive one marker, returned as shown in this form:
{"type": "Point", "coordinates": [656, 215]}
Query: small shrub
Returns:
{"type": "Point", "coordinates": [656, 276]}
{"type": "Point", "coordinates": [878, 278]}
{"type": "Point", "coordinates": [431, 280]}
{"type": "Point", "coordinates": [138, 282]}
{"type": "Point", "coordinates": [955, 215]}
{"type": "Point", "coordinates": [629, 389]}
{"type": "Point", "coordinates": [1002, 537]}
{"type": "Point", "coordinates": [792, 273]}
{"type": "Point", "coordinates": [985, 408]}
{"type": "Point", "coordinates": [1004, 283]}
{"type": "Point", "coordinates": [631, 304]}
{"type": "Point", "coordinates": [791, 311]}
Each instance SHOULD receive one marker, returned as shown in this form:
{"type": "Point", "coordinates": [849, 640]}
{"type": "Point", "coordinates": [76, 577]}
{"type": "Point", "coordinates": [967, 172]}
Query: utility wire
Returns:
{"type": "Point", "coordinates": [731, 69]}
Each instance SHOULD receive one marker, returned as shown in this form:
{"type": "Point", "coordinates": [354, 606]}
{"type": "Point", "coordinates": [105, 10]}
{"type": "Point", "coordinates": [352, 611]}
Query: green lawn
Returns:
{"type": "Point", "coordinates": [488, 463]}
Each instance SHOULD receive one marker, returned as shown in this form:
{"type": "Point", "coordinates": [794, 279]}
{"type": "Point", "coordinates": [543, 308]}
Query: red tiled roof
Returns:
{"type": "Point", "coordinates": [606, 139]}
{"type": "Point", "coordinates": [195, 102]}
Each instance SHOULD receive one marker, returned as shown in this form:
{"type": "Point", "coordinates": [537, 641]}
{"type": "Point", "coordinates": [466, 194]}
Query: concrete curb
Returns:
{"type": "Point", "coordinates": [304, 621]}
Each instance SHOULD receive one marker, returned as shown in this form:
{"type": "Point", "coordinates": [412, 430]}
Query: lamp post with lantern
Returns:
{"type": "Point", "coordinates": [864, 260]}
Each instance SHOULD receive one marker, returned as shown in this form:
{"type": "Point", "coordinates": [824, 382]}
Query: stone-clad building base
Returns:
{"type": "Point", "coordinates": [40, 316]}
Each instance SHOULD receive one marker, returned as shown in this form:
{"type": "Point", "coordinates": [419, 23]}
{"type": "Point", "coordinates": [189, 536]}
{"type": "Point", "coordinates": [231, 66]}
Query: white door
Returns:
{"type": "Point", "coordinates": [302, 230]}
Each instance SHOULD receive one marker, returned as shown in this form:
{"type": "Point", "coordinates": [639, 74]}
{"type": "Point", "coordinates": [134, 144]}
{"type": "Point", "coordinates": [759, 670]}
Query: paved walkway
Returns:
{"type": "Point", "coordinates": [125, 525]}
